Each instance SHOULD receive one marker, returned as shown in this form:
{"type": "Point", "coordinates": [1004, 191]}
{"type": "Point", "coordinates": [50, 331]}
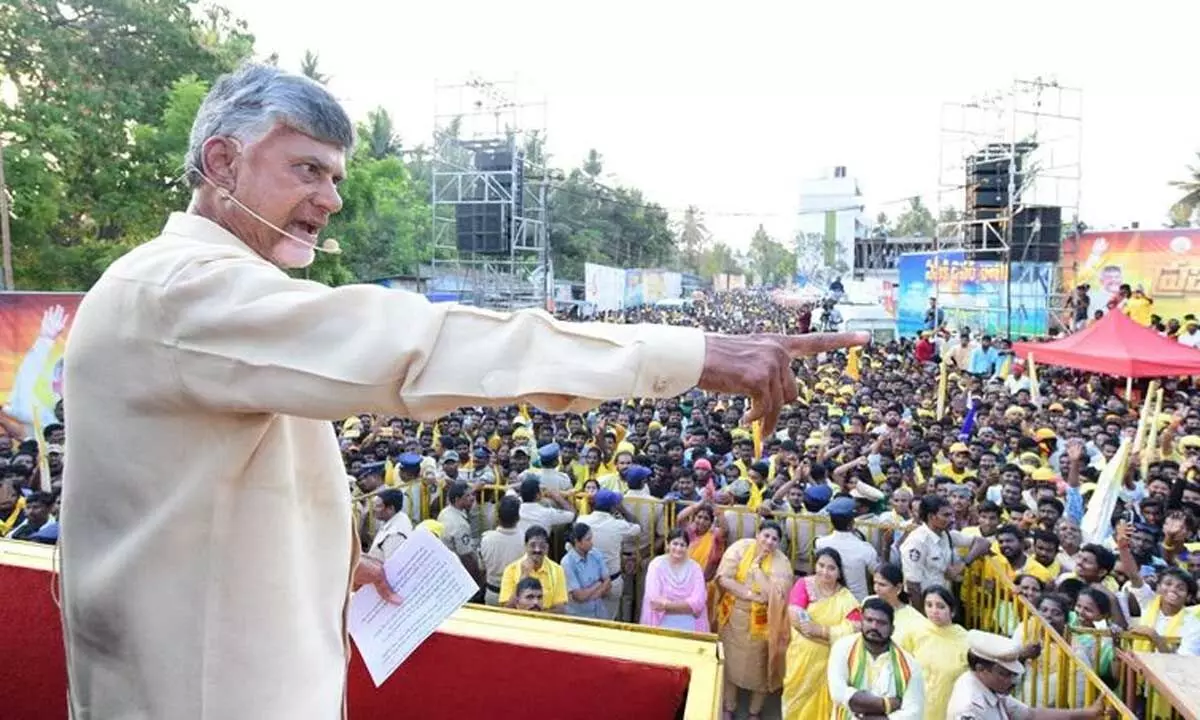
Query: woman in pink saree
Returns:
{"type": "Point", "coordinates": [676, 596]}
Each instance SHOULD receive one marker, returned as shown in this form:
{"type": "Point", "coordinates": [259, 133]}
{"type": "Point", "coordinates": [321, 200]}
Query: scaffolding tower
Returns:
{"type": "Point", "coordinates": [1035, 127]}
{"type": "Point", "coordinates": [488, 154]}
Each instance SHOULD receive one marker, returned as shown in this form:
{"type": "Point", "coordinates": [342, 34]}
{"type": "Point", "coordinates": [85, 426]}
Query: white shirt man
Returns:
{"type": "Point", "coordinates": [859, 559]}
{"type": "Point", "coordinates": [882, 668]}
{"type": "Point", "coordinates": [202, 333]}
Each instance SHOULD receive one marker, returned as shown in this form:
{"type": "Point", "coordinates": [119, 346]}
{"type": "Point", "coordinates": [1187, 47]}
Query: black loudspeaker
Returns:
{"type": "Point", "coordinates": [991, 198]}
{"type": "Point", "coordinates": [495, 161]}
{"type": "Point", "coordinates": [1037, 234]}
{"type": "Point", "coordinates": [482, 228]}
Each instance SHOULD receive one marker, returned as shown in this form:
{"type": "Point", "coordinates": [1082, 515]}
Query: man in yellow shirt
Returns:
{"type": "Point", "coordinates": [535, 564]}
{"type": "Point", "coordinates": [957, 469]}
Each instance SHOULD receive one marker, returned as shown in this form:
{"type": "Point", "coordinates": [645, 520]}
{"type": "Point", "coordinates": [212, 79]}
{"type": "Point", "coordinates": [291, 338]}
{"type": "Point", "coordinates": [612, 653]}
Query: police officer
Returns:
{"type": "Point", "coordinates": [927, 554]}
{"type": "Point", "coordinates": [994, 663]}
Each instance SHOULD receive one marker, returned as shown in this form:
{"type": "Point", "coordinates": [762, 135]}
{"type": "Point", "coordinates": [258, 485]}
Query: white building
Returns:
{"type": "Point", "coordinates": [831, 217]}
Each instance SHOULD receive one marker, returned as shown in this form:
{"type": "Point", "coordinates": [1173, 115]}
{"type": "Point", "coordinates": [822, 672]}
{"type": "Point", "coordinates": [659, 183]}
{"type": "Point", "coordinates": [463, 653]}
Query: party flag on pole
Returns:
{"type": "Point", "coordinates": [943, 382]}
{"type": "Point", "coordinates": [853, 369]}
{"type": "Point", "coordinates": [1035, 391]}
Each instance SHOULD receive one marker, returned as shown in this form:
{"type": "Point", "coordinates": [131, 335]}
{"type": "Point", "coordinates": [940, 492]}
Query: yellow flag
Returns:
{"type": "Point", "coordinates": [1035, 392]}
{"type": "Point", "coordinates": [1154, 400]}
{"type": "Point", "coordinates": [852, 363]}
{"type": "Point", "coordinates": [756, 429]}
{"type": "Point", "coordinates": [943, 382]}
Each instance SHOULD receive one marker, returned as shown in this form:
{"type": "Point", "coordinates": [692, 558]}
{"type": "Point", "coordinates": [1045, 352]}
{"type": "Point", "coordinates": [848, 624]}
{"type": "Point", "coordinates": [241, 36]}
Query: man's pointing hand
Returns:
{"type": "Point", "coordinates": [760, 366]}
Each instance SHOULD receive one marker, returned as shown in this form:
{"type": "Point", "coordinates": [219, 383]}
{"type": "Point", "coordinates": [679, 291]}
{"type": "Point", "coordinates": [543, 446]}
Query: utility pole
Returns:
{"type": "Point", "coordinates": [5, 238]}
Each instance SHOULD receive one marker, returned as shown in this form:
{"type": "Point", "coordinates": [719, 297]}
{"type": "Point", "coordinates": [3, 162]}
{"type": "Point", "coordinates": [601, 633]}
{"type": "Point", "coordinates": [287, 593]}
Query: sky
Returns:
{"type": "Point", "coordinates": [730, 106]}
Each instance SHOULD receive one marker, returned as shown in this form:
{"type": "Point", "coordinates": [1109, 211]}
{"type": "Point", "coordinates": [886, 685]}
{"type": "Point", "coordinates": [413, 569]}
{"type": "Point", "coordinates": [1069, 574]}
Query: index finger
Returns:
{"type": "Point", "coordinates": [816, 343]}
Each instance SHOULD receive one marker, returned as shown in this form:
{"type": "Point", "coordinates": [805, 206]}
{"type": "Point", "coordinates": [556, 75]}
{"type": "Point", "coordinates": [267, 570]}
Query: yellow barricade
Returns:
{"type": "Point", "coordinates": [1063, 675]}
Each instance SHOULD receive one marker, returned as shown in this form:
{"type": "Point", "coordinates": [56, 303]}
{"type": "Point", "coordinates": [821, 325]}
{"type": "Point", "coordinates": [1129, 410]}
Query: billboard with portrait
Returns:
{"type": "Point", "coordinates": [1165, 263]}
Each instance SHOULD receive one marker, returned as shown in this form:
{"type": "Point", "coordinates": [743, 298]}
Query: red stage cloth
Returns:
{"type": "Point", "coordinates": [1115, 345]}
{"type": "Point", "coordinates": [454, 677]}
{"type": "Point", "coordinates": [447, 677]}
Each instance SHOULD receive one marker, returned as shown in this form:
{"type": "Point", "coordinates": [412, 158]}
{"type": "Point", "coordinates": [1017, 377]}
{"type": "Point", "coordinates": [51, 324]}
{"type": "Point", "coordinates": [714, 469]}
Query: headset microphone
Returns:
{"type": "Point", "coordinates": [329, 246]}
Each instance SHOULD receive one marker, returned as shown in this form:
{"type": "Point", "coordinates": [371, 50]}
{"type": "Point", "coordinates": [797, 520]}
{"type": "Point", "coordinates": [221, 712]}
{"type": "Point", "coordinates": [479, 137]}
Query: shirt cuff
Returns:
{"type": "Point", "coordinates": [672, 360]}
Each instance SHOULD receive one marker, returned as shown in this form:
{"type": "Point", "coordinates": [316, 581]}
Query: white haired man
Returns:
{"type": "Point", "coordinates": [208, 579]}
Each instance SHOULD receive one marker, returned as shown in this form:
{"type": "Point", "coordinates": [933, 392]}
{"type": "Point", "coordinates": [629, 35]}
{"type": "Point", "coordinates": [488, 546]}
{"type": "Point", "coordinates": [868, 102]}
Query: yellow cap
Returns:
{"type": "Point", "coordinates": [959, 448]}
{"type": "Point", "coordinates": [1044, 474]}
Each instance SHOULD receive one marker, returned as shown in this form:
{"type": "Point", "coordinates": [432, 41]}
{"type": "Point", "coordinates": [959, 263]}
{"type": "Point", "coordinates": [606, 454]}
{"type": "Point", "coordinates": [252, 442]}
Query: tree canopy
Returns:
{"type": "Point", "coordinates": [95, 123]}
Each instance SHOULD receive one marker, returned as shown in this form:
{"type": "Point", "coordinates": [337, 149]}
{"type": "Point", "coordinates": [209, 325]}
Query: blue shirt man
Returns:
{"type": "Point", "coordinates": [984, 359]}
{"type": "Point", "coordinates": [587, 581]}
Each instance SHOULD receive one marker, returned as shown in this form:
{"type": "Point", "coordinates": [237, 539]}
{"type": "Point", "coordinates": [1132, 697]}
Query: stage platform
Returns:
{"type": "Point", "coordinates": [482, 662]}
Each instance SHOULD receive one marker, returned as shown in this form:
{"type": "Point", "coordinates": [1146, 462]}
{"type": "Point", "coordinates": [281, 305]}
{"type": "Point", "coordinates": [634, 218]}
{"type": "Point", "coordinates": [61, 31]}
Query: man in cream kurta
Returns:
{"type": "Point", "coordinates": [208, 578]}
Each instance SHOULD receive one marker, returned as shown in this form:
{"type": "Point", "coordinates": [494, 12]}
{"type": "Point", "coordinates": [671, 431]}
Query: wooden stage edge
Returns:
{"type": "Point", "coordinates": [699, 653]}
{"type": "Point", "coordinates": [1175, 676]}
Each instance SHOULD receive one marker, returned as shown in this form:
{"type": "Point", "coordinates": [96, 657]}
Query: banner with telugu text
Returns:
{"type": "Point", "coordinates": [973, 293]}
{"type": "Point", "coordinates": [33, 335]}
{"type": "Point", "coordinates": [1166, 263]}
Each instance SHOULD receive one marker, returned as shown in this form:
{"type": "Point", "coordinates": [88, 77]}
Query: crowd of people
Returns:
{"type": "Point", "coordinates": [848, 530]}
{"type": "Point", "coordinates": [828, 555]}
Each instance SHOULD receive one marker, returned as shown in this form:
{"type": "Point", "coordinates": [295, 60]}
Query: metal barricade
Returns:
{"type": "Point", "coordinates": [993, 604]}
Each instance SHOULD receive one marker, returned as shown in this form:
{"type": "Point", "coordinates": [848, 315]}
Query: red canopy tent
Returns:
{"type": "Point", "coordinates": [1116, 345]}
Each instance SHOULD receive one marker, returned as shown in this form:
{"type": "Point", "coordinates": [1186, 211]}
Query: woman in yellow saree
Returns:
{"type": "Point", "coordinates": [706, 545]}
{"type": "Point", "coordinates": [753, 579]}
{"type": "Point", "coordinates": [821, 610]}
{"type": "Point", "coordinates": [940, 648]}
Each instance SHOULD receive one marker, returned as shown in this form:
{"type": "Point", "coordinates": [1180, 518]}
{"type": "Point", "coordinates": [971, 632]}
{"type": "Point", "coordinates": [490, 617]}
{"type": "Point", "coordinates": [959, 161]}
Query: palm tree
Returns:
{"type": "Point", "coordinates": [593, 164]}
{"type": "Point", "coordinates": [693, 236]}
{"type": "Point", "coordinates": [308, 68]}
{"type": "Point", "coordinates": [382, 140]}
{"type": "Point", "coordinates": [1187, 205]}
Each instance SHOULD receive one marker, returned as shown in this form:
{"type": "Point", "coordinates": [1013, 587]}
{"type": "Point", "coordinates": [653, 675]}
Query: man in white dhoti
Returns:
{"type": "Point", "coordinates": [208, 577]}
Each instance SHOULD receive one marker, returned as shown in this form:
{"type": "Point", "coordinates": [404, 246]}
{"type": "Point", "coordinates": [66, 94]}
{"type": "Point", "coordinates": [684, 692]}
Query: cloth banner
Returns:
{"type": "Point", "coordinates": [604, 287]}
{"type": "Point", "coordinates": [33, 336]}
{"type": "Point", "coordinates": [1166, 263]}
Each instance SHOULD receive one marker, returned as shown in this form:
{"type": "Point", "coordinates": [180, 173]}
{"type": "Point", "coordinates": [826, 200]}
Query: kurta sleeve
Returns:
{"type": "Point", "coordinates": [246, 337]}
{"type": "Point", "coordinates": [838, 673]}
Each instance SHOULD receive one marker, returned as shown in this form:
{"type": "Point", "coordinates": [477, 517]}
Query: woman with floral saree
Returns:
{"type": "Point", "coordinates": [753, 578]}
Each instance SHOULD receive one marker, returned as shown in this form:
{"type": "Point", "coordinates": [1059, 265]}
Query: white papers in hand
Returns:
{"type": "Point", "coordinates": [432, 583]}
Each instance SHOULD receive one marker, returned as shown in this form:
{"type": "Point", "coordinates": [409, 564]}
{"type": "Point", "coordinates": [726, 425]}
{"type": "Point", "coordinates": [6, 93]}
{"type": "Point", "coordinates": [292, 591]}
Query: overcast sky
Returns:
{"type": "Point", "coordinates": [729, 109]}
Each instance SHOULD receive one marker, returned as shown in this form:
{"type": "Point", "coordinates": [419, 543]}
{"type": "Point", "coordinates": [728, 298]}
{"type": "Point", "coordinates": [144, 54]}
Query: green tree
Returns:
{"type": "Point", "coordinates": [592, 222]}
{"type": "Point", "coordinates": [770, 261]}
{"type": "Point", "coordinates": [719, 258]}
{"type": "Point", "coordinates": [89, 78]}
{"type": "Point", "coordinates": [593, 165]}
{"type": "Point", "coordinates": [915, 221]}
{"type": "Point", "coordinates": [1187, 205]}
{"type": "Point", "coordinates": [309, 67]}
{"type": "Point", "coordinates": [693, 237]}
{"type": "Point", "coordinates": [379, 135]}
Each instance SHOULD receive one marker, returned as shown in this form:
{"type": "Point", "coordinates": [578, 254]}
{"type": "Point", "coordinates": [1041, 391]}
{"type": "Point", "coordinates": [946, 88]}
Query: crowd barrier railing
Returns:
{"type": "Point", "coordinates": [1064, 674]}
{"type": "Point", "coordinates": [424, 499]}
